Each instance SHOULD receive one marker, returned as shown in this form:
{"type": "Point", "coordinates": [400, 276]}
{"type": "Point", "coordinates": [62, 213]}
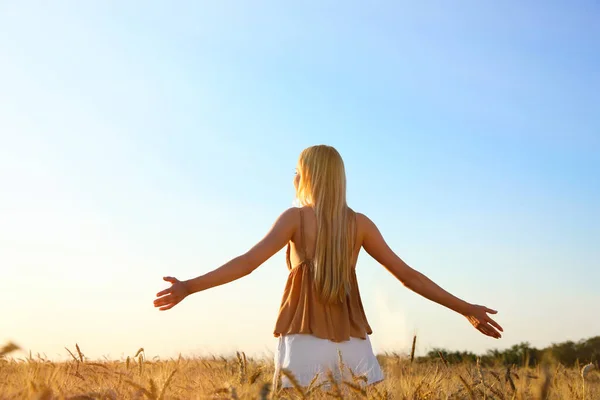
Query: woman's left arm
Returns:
{"type": "Point", "coordinates": [278, 236]}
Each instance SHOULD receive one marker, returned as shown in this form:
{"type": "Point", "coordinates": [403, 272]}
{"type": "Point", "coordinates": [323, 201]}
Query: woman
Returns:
{"type": "Point", "coordinates": [321, 314]}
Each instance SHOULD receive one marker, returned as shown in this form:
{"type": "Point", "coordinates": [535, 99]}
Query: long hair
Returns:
{"type": "Point", "coordinates": [322, 185]}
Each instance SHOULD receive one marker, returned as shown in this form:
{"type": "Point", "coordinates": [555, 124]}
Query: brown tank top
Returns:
{"type": "Point", "coordinates": [302, 311]}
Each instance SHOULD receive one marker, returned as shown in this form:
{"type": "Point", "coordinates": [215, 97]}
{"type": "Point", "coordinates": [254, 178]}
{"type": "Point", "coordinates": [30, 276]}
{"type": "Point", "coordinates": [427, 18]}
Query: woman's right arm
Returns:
{"type": "Point", "coordinates": [375, 245]}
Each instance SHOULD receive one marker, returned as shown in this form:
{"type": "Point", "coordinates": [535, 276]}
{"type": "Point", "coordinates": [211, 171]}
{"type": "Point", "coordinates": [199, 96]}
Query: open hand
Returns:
{"type": "Point", "coordinates": [478, 317]}
{"type": "Point", "coordinates": [170, 297]}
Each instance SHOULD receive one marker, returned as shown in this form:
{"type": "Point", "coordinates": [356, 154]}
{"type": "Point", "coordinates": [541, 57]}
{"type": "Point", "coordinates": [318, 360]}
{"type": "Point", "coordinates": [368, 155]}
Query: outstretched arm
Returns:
{"type": "Point", "coordinates": [280, 233]}
{"type": "Point", "coordinates": [377, 248]}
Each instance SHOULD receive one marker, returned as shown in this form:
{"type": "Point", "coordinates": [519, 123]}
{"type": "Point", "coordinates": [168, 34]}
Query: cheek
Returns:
{"type": "Point", "coordinates": [296, 181]}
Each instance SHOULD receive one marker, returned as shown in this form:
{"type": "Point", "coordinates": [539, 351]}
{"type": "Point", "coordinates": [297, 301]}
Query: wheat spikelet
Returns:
{"type": "Point", "coordinates": [315, 387]}
{"type": "Point", "coordinates": [340, 362]}
{"type": "Point", "coordinates": [481, 377]}
{"type": "Point", "coordinates": [467, 386]}
{"type": "Point", "coordinates": [166, 385]}
{"type": "Point", "coordinates": [72, 355]}
{"type": "Point", "coordinates": [335, 390]}
{"type": "Point", "coordinates": [412, 350]}
{"type": "Point", "coordinates": [356, 388]}
{"type": "Point", "coordinates": [92, 364]}
{"type": "Point", "coordinates": [313, 381]}
{"type": "Point", "coordinates": [153, 389]}
{"type": "Point", "coordinates": [292, 378]}
{"type": "Point", "coordinates": [443, 359]}
{"type": "Point", "coordinates": [79, 352]}
{"type": "Point", "coordinates": [508, 378]}
{"type": "Point", "coordinates": [8, 348]}
{"type": "Point", "coordinates": [254, 377]}
{"type": "Point", "coordinates": [241, 367]}
{"type": "Point", "coordinates": [497, 392]}
{"type": "Point", "coordinates": [480, 371]}
{"type": "Point", "coordinates": [140, 363]}
{"type": "Point", "coordinates": [496, 376]}
{"type": "Point", "coordinates": [140, 351]}
{"type": "Point", "coordinates": [78, 375]}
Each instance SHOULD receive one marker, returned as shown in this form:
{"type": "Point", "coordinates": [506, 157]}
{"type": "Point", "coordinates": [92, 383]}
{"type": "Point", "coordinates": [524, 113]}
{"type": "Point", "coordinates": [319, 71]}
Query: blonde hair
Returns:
{"type": "Point", "coordinates": [322, 185]}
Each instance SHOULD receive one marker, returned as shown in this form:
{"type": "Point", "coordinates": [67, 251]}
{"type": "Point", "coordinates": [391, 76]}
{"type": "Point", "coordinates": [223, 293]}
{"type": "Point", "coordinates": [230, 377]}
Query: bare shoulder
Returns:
{"type": "Point", "coordinates": [361, 218]}
{"type": "Point", "coordinates": [364, 225]}
{"type": "Point", "coordinates": [292, 211]}
{"type": "Point", "coordinates": [363, 221]}
{"type": "Point", "coordinates": [290, 216]}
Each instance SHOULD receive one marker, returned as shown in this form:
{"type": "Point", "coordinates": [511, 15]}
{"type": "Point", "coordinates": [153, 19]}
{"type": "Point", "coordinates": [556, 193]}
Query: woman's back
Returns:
{"type": "Point", "coordinates": [309, 223]}
{"type": "Point", "coordinates": [303, 309]}
{"type": "Point", "coordinates": [314, 332]}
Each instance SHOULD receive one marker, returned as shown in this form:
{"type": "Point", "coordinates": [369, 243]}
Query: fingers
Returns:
{"type": "Point", "coordinates": [167, 291]}
{"type": "Point", "coordinates": [485, 330]}
{"type": "Point", "coordinates": [489, 331]}
{"type": "Point", "coordinates": [168, 307]}
{"type": "Point", "coordinates": [495, 324]}
{"type": "Point", "coordinates": [483, 323]}
{"type": "Point", "coordinates": [165, 300]}
{"type": "Point", "coordinates": [490, 320]}
{"type": "Point", "coordinates": [494, 333]}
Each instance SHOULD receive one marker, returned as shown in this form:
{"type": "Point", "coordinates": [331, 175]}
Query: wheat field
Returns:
{"type": "Point", "coordinates": [240, 377]}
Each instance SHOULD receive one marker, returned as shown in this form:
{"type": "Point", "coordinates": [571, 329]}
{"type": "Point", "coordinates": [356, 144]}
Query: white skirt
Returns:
{"type": "Point", "coordinates": [305, 356]}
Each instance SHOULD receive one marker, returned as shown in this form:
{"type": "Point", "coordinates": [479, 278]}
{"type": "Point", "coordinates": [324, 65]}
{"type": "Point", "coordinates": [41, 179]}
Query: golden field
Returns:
{"type": "Point", "coordinates": [244, 378]}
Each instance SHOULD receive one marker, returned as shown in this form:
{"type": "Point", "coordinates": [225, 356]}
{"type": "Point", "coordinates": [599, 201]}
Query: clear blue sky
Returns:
{"type": "Point", "coordinates": [146, 139]}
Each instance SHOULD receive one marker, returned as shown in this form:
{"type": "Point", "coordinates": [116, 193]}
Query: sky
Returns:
{"type": "Point", "coordinates": [139, 140]}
